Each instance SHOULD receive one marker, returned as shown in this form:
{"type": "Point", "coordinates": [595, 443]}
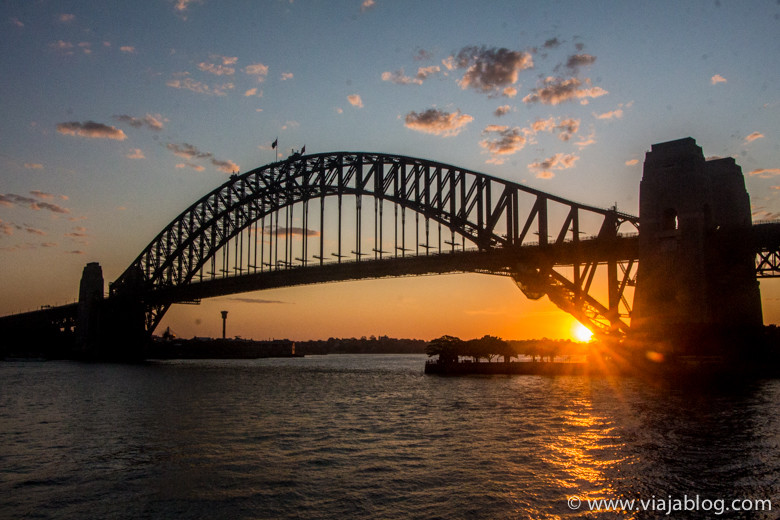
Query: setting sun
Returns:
{"type": "Point", "coordinates": [582, 333]}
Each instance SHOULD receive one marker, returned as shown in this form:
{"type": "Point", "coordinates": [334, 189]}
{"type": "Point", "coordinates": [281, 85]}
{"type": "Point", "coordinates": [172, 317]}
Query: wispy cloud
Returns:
{"type": "Point", "coordinates": [355, 100]}
{"type": "Point", "coordinates": [45, 195]}
{"type": "Point", "coordinates": [558, 90]}
{"type": "Point", "coordinates": [92, 130]}
{"type": "Point", "coordinates": [219, 69]}
{"type": "Point", "coordinates": [191, 152]}
{"type": "Point", "coordinates": [612, 114]}
{"type": "Point", "coordinates": [253, 92]}
{"type": "Point", "coordinates": [33, 166]}
{"type": "Point", "coordinates": [717, 78]}
{"type": "Point", "coordinates": [154, 122]}
{"type": "Point", "coordinates": [135, 153]}
{"type": "Point", "coordinates": [127, 49]}
{"type": "Point", "coordinates": [291, 231]}
{"type": "Point", "coordinates": [187, 83]}
{"type": "Point", "coordinates": [752, 137]}
{"type": "Point", "coordinates": [632, 162]}
{"type": "Point", "coordinates": [287, 75]}
{"type": "Point", "coordinates": [66, 18]}
{"type": "Point", "coordinates": [438, 122]}
{"type": "Point", "coordinates": [765, 173]}
{"type": "Point", "coordinates": [367, 5]}
{"type": "Point", "coordinates": [17, 22]}
{"type": "Point", "coordinates": [258, 70]}
{"type": "Point", "coordinates": [256, 300]}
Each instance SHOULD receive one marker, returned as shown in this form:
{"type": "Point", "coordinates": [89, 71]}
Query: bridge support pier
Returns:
{"type": "Point", "coordinates": [696, 280]}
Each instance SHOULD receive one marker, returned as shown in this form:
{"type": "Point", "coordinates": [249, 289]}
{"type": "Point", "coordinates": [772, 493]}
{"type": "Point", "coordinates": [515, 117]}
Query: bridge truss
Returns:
{"type": "Point", "coordinates": [346, 214]}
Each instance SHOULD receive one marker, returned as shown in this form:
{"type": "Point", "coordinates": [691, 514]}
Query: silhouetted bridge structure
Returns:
{"type": "Point", "coordinates": [349, 216]}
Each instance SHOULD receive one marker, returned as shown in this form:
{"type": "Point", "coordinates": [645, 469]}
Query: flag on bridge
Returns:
{"type": "Point", "coordinates": [273, 145]}
{"type": "Point", "coordinates": [303, 150]}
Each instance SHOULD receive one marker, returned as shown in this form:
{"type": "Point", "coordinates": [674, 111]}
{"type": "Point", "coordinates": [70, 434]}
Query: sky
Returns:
{"type": "Point", "coordinates": [116, 116]}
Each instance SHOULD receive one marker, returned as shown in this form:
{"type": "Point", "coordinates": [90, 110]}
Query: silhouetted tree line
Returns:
{"type": "Point", "coordinates": [363, 345]}
{"type": "Point", "coordinates": [450, 349]}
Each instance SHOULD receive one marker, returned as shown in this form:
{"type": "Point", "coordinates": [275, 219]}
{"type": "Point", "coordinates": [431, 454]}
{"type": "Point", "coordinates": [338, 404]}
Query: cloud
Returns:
{"type": "Point", "coordinates": [183, 5]}
{"type": "Point", "coordinates": [33, 166]}
{"type": "Point", "coordinates": [216, 69]}
{"type": "Point", "coordinates": [187, 151]}
{"type": "Point", "coordinates": [632, 162]}
{"type": "Point", "coordinates": [717, 78]}
{"type": "Point", "coordinates": [567, 128]}
{"type": "Point", "coordinates": [612, 114]}
{"type": "Point", "coordinates": [200, 87]}
{"type": "Point", "coordinates": [399, 78]}
{"type": "Point", "coordinates": [355, 100]}
{"type": "Point", "coordinates": [226, 166]}
{"type": "Point", "coordinates": [255, 300]}
{"type": "Point", "coordinates": [44, 195]}
{"type": "Point", "coordinates": [558, 161]}
{"type": "Point", "coordinates": [135, 153]}
{"type": "Point", "coordinates": [11, 199]}
{"type": "Point", "coordinates": [503, 141]}
{"type": "Point", "coordinates": [367, 5]}
{"type": "Point", "coordinates": [257, 69]}
{"type": "Point", "coordinates": [576, 61]}
{"type": "Point", "coordinates": [558, 90]}
{"type": "Point", "coordinates": [253, 92]}
{"type": "Point", "coordinates": [91, 130]}
{"type": "Point", "coordinates": [287, 75]}
{"type": "Point", "coordinates": [752, 137]}
{"type": "Point", "coordinates": [586, 141]}
{"type": "Point", "coordinates": [292, 231]}
{"type": "Point", "coordinates": [489, 70]}
{"type": "Point", "coordinates": [502, 110]}
{"type": "Point", "coordinates": [153, 122]}
{"type": "Point", "coordinates": [66, 18]}
{"type": "Point", "coordinates": [196, 167]}
{"type": "Point", "coordinates": [129, 49]}
{"type": "Point", "coordinates": [76, 252]}
{"type": "Point", "coordinates": [17, 22]}
{"type": "Point", "coordinates": [765, 173]}
{"type": "Point", "coordinates": [422, 55]}
{"type": "Point", "coordinates": [551, 43]}
{"type": "Point", "coordinates": [437, 122]}
{"type": "Point", "coordinates": [62, 47]}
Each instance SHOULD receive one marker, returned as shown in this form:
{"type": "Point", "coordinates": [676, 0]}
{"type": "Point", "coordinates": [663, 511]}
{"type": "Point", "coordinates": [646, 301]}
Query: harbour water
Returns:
{"type": "Point", "coordinates": [370, 436]}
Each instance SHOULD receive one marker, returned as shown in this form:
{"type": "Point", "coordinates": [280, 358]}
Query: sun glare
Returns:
{"type": "Point", "coordinates": [582, 333]}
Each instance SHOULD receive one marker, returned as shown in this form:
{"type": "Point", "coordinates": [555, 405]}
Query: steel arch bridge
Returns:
{"type": "Point", "coordinates": [287, 223]}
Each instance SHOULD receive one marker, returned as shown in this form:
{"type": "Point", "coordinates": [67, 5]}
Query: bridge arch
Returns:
{"type": "Point", "coordinates": [492, 214]}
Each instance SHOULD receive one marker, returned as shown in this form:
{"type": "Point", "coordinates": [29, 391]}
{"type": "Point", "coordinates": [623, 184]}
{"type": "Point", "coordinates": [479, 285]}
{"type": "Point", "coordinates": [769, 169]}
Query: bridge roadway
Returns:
{"type": "Point", "coordinates": [499, 261]}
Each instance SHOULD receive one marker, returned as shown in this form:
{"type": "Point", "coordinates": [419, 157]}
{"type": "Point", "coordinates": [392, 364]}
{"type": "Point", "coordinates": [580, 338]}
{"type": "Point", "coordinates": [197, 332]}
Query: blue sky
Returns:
{"type": "Point", "coordinates": [116, 116]}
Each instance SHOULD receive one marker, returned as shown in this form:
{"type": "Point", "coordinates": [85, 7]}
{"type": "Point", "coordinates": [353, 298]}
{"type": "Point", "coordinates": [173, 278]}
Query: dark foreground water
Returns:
{"type": "Point", "coordinates": [339, 437]}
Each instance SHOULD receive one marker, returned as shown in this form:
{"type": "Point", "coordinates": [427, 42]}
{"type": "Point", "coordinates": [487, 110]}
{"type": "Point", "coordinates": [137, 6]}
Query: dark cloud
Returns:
{"type": "Point", "coordinates": [91, 130]}
{"type": "Point", "coordinates": [11, 199]}
{"type": "Point", "coordinates": [437, 122]}
{"type": "Point", "coordinates": [551, 43]}
{"type": "Point", "coordinates": [576, 61]}
{"type": "Point", "coordinates": [187, 151]}
{"type": "Point", "coordinates": [502, 110]}
{"type": "Point", "coordinates": [292, 231]}
{"type": "Point", "coordinates": [489, 70]}
{"type": "Point", "coordinates": [423, 55]}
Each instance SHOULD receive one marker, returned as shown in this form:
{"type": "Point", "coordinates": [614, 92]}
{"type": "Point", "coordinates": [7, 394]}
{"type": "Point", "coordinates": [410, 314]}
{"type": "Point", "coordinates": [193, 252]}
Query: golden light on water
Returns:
{"type": "Point", "coordinates": [582, 333]}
